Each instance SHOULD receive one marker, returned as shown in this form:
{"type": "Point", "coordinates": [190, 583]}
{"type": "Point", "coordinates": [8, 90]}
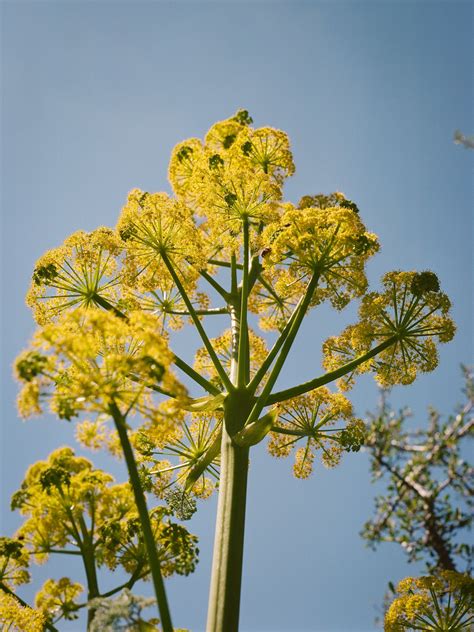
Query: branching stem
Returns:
{"type": "Point", "coordinates": [207, 343]}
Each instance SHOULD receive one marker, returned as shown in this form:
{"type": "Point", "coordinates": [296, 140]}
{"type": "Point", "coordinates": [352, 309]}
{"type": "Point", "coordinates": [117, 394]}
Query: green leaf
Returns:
{"type": "Point", "coordinates": [256, 431]}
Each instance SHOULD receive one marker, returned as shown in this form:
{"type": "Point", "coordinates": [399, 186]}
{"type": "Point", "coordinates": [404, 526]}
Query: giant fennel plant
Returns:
{"type": "Point", "coordinates": [225, 244]}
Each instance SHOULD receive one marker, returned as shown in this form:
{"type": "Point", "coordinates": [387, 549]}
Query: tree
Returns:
{"type": "Point", "coordinates": [106, 302]}
{"type": "Point", "coordinates": [427, 507]}
{"type": "Point", "coordinates": [461, 139]}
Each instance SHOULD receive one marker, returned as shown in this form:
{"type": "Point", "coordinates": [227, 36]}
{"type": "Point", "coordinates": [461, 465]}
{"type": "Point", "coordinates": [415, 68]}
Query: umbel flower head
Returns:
{"type": "Point", "coordinates": [408, 317]}
{"type": "Point", "coordinates": [14, 616]}
{"type": "Point", "coordinates": [310, 420]}
{"type": "Point", "coordinates": [57, 599]}
{"type": "Point", "coordinates": [66, 490]}
{"type": "Point", "coordinates": [90, 360]}
{"type": "Point", "coordinates": [83, 272]}
{"type": "Point", "coordinates": [160, 232]}
{"type": "Point", "coordinates": [235, 175]}
{"type": "Point", "coordinates": [331, 242]}
{"type": "Point", "coordinates": [444, 601]}
{"type": "Point", "coordinates": [195, 455]}
{"type": "Point", "coordinates": [14, 562]}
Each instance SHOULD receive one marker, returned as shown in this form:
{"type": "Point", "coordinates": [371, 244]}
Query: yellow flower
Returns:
{"type": "Point", "coordinates": [18, 618]}
{"type": "Point", "coordinates": [14, 561]}
{"type": "Point", "coordinates": [57, 599]}
{"type": "Point", "coordinates": [331, 242]}
{"type": "Point", "coordinates": [83, 272]}
{"type": "Point", "coordinates": [91, 359]}
{"type": "Point", "coordinates": [274, 298]}
{"type": "Point", "coordinates": [167, 304]}
{"type": "Point", "coordinates": [236, 175]}
{"type": "Point", "coordinates": [154, 229]}
{"type": "Point", "coordinates": [436, 602]}
{"type": "Point", "coordinates": [311, 418]}
{"type": "Point", "coordinates": [412, 313]}
{"type": "Point", "coordinates": [223, 348]}
{"type": "Point", "coordinates": [187, 452]}
{"type": "Point", "coordinates": [64, 491]}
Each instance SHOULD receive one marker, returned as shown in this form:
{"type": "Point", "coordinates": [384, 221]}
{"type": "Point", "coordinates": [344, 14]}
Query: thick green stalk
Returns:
{"type": "Point", "coordinates": [144, 516]}
{"type": "Point", "coordinates": [92, 583]}
{"type": "Point", "coordinates": [227, 561]}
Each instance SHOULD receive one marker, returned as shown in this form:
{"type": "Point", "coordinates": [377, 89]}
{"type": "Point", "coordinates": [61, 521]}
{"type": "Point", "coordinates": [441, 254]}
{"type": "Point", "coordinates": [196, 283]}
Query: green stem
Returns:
{"type": "Point", "coordinates": [243, 357]}
{"type": "Point", "coordinates": [227, 561]}
{"type": "Point", "coordinates": [145, 522]}
{"type": "Point", "coordinates": [286, 346]}
{"type": "Point", "coordinates": [88, 557]}
{"type": "Point", "coordinates": [197, 377]}
{"type": "Point", "coordinates": [136, 575]}
{"type": "Point", "coordinates": [281, 396]}
{"type": "Point", "coordinates": [99, 300]}
{"type": "Point", "coordinates": [223, 264]}
{"type": "Point", "coordinates": [4, 587]}
{"type": "Point", "coordinates": [217, 286]}
{"type": "Point", "coordinates": [233, 275]}
{"type": "Point", "coordinates": [260, 374]}
{"type": "Point", "coordinates": [207, 343]}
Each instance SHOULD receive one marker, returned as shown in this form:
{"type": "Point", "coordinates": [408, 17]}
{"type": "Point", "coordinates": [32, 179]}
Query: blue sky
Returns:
{"type": "Point", "coordinates": [96, 94]}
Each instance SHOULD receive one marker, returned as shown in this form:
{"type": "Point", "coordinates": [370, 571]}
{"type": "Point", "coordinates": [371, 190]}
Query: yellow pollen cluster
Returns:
{"type": "Point", "coordinates": [18, 618]}
{"type": "Point", "coordinates": [406, 320]}
{"type": "Point", "coordinates": [331, 242]}
{"type": "Point", "coordinates": [90, 360]}
{"type": "Point", "coordinates": [200, 432]}
{"type": "Point", "coordinates": [311, 419]}
{"type": "Point", "coordinates": [223, 348]}
{"type": "Point", "coordinates": [437, 602]}
{"type": "Point", "coordinates": [159, 231]}
{"type": "Point", "coordinates": [83, 272]}
{"type": "Point", "coordinates": [236, 174]}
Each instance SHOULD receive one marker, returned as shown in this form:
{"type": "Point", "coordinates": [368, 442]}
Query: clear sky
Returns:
{"type": "Point", "coordinates": [95, 95]}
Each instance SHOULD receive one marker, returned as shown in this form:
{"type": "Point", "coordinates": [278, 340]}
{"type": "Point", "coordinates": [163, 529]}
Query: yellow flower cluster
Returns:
{"type": "Point", "coordinates": [14, 561]}
{"type": "Point", "coordinates": [236, 174]}
{"type": "Point", "coordinates": [167, 304]}
{"type": "Point", "coordinates": [223, 348]}
{"type": "Point", "coordinates": [409, 315]}
{"type": "Point", "coordinates": [274, 297]}
{"type": "Point", "coordinates": [437, 602]}
{"type": "Point", "coordinates": [83, 272]}
{"type": "Point", "coordinates": [330, 242]}
{"type": "Point", "coordinates": [17, 618]}
{"type": "Point", "coordinates": [188, 450]}
{"type": "Point", "coordinates": [91, 359]}
{"type": "Point", "coordinates": [57, 599]}
{"type": "Point", "coordinates": [157, 229]}
{"type": "Point", "coordinates": [62, 495]}
{"type": "Point", "coordinates": [311, 418]}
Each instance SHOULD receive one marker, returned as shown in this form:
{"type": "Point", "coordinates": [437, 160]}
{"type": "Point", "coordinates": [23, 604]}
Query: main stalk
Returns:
{"type": "Point", "coordinates": [227, 561]}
